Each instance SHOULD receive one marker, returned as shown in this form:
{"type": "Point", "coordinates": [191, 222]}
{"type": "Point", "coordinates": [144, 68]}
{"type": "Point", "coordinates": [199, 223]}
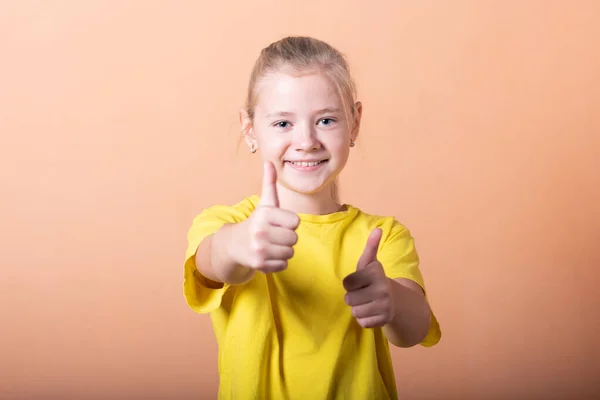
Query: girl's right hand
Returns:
{"type": "Point", "coordinates": [264, 242]}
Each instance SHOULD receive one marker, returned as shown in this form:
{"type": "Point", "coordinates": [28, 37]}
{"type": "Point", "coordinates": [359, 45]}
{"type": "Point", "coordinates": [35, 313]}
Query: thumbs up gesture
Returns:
{"type": "Point", "coordinates": [368, 290]}
{"type": "Point", "coordinates": [268, 235]}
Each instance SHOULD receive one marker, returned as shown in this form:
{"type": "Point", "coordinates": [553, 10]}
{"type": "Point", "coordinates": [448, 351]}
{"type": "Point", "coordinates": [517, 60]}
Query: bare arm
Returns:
{"type": "Point", "coordinates": [398, 305]}
{"type": "Point", "coordinates": [263, 242]}
{"type": "Point", "coordinates": [214, 260]}
{"type": "Point", "coordinates": [411, 316]}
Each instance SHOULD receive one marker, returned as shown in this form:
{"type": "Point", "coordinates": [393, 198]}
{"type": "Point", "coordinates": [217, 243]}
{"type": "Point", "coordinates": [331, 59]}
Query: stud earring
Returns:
{"type": "Point", "coordinates": [252, 148]}
{"type": "Point", "coordinates": [352, 143]}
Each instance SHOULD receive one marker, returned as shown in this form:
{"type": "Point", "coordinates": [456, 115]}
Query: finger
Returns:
{"type": "Point", "coordinates": [283, 218]}
{"type": "Point", "coordinates": [360, 296]}
{"type": "Point", "coordinates": [270, 266]}
{"type": "Point", "coordinates": [375, 321]}
{"type": "Point", "coordinates": [370, 252]}
{"type": "Point", "coordinates": [370, 309]}
{"type": "Point", "coordinates": [282, 236]}
{"type": "Point", "coordinates": [359, 279]}
{"type": "Point", "coordinates": [269, 188]}
{"type": "Point", "coordinates": [277, 252]}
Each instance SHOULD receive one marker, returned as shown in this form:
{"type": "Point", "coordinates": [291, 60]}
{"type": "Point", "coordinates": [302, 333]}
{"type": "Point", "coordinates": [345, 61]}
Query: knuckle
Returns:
{"type": "Point", "coordinates": [294, 238]}
{"type": "Point", "coordinates": [277, 268]}
{"type": "Point", "coordinates": [254, 229]}
{"type": "Point", "coordinates": [259, 230]}
{"type": "Point", "coordinates": [386, 293]}
{"type": "Point", "coordinates": [382, 304]}
{"type": "Point", "coordinates": [382, 293]}
{"type": "Point", "coordinates": [290, 253]}
{"type": "Point", "coordinates": [258, 248]}
{"type": "Point", "coordinates": [257, 262]}
{"type": "Point", "coordinates": [376, 303]}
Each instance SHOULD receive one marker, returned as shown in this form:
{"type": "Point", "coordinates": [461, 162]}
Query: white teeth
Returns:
{"type": "Point", "coordinates": [306, 163]}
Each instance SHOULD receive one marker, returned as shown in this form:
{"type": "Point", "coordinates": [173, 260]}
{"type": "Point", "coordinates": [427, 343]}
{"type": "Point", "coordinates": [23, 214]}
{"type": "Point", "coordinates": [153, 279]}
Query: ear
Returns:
{"type": "Point", "coordinates": [357, 119]}
{"type": "Point", "coordinates": [247, 130]}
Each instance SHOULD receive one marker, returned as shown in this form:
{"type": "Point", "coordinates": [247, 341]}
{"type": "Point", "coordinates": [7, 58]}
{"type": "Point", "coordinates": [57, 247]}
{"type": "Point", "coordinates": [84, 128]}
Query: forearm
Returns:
{"type": "Point", "coordinates": [412, 315]}
{"type": "Point", "coordinates": [214, 261]}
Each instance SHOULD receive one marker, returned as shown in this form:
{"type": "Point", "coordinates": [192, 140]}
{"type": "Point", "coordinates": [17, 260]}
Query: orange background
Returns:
{"type": "Point", "coordinates": [119, 123]}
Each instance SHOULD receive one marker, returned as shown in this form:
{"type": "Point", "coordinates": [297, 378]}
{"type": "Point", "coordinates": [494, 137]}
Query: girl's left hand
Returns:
{"type": "Point", "coordinates": [369, 289]}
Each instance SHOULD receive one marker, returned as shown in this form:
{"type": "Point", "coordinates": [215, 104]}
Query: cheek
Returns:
{"type": "Point", "coordinates": [343, 155]}
{"type": "Point", "coordinates": [339, 146]}
{"type": "Point", "coordinates": [271, 145]}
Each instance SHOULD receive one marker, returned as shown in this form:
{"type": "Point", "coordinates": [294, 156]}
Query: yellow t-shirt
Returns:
{"type": "Point", "coordinates": [290, 335]}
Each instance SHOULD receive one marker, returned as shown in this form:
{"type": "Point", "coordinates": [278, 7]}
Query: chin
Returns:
{"type": "Point", "coordinates": [307, 188]}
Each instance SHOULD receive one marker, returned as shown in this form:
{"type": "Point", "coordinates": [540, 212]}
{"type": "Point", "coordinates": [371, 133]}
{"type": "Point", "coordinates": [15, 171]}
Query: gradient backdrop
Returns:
{"type": "Point", "coordinates": [118, 123]}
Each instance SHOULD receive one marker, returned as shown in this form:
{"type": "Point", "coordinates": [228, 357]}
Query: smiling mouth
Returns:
{"type": "Point", "coordinates": [306, 163]}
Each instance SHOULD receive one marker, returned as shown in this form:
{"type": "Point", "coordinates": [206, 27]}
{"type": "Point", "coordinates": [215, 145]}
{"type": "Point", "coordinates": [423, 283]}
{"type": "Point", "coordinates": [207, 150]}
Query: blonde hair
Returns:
{"type": "Point", "coordinates": [304, 53]}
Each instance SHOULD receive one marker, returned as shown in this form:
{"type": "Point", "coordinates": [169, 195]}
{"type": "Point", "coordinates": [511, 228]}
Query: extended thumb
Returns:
{"type": "Point", "coordinates": [370, 252]}
{"type": "Point", "coordinates": [268, 196]}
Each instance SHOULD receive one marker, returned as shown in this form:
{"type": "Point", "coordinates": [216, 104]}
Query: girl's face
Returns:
{"type": "Point", "coordinates": [300, 125]}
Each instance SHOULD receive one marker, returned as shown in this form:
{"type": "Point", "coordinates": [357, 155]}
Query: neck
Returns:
{"type": "Point", "coordinates": [319, 203]}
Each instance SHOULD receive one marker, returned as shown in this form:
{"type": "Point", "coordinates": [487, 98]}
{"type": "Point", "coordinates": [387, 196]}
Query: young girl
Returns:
{"type": "Point", "coordinates": [305, 292]}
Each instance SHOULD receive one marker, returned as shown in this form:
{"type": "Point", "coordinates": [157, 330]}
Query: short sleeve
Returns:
{"type": "Point", "coordinates": [201, 296]}
{"type": "Point", "coordinates": [398, 256]}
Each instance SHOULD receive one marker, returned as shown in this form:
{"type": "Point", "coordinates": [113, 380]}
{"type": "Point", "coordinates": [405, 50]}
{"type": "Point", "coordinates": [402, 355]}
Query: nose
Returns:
{"type": "Point", "coordinates": [305, 139]}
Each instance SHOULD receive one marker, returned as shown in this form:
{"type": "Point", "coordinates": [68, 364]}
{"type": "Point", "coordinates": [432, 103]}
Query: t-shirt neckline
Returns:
{"type": "Point", "coordinates": [348, 211]}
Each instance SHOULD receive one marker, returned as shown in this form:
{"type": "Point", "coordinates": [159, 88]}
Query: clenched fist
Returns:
{"type": "Point", "coordinates": [368, 290]}
{"type": "Point", "coordinates": [265, 240]}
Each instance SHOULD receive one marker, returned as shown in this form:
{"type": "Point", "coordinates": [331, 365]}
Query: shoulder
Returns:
{"type": "Point", "coordinates": [232, 213]}
{"type": "Point", "coordinates": [397, 252]}
{"type": "Point", "coordinates": [214, 217]}
{"type": "Point", "coordinates": [390, 226]}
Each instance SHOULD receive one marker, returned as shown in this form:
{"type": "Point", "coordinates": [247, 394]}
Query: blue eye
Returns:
{"type": "Point", "coordinates": [282, 124]}
{"type": "Point", "coordinates": [327, 121]}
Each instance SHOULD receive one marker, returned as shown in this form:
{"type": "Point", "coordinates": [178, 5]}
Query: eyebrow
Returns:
{"type": "Point", "coordinates": [280, 114]}
{"type": "Point", "coordinates": [328, 111]}
{"type": "Point", "coordinates": [289, 114]}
